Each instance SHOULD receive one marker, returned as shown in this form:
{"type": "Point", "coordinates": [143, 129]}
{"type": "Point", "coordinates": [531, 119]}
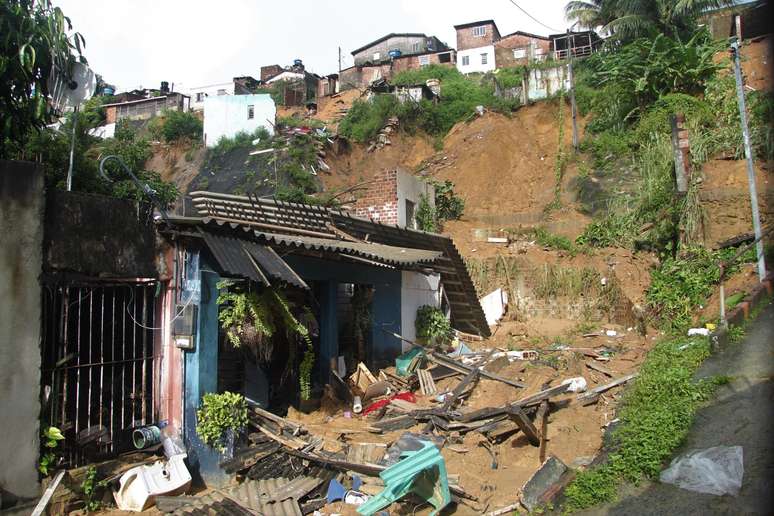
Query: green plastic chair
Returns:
{"type": "Point", "coordinates": [422, 472]}
{"type": "Point", "coordinates": [404, 361]}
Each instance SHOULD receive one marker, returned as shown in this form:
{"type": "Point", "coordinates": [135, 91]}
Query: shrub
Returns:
{"type": "Point", "coordinates": [432, 325]}
{"type": "Point", "coordinates": [177, 125]}
{"type": "Point", "coordinates": [426, 216]}
{"type": "Point", "coordinates": [218, 414]}
{"type": "Point", "coordinates": [366, 118]}
{"type": "Point", "coordinates": [448, 205]}
{"type": "Point", "coordinates": [657, 118]}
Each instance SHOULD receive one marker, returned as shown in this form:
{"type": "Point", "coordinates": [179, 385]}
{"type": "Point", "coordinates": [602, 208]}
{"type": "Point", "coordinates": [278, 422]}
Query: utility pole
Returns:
{"type": "Point", "coordinates": [573, 107]}
{"type": "Point", "coordinates": [756, 219]}
{"type": "Point", "coordinates": [339, 59]}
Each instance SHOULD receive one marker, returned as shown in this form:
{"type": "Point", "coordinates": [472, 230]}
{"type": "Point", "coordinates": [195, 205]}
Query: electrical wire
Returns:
{"type": "Point", "coordinates": [177, 315]}
{"type": "Point", "coordinates": [533, 18]}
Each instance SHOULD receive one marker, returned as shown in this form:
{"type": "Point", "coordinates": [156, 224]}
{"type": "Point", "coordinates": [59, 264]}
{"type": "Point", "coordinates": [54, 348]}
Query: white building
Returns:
{"type": "Point", "coordinates": [480, 59]}
{"type": "Point", "coordinates": [227, 115]}
{"type": "Point", "coordinates": [199, 93]}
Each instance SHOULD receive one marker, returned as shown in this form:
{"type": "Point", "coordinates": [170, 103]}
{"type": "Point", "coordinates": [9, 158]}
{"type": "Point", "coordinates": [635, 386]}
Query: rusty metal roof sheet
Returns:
{"type": "Point", "coordinates": [249, 259]}
{"type": "Point", "coordinates": [262, 497]}
{"type": "Point", "coordinates": [382, 253]}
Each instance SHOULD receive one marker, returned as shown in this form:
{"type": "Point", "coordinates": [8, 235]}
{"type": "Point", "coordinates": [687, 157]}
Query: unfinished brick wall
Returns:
{"type": "Point", "coordinates": [380, 202]}
{"type": "Point", "coordinates": [504, 48]}
{"type": "Point", "coordinates": [466, 39]}
{"type": "Point", "coordinates": [111, 114]}
{"type": "Point", "coordinates": [267, 72]}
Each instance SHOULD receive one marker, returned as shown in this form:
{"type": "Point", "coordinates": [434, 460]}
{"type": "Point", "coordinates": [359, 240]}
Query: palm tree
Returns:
{"type": "Point", "coordinates": [628, 19]}
{"type": "Point", "coordinates": [590, 14]}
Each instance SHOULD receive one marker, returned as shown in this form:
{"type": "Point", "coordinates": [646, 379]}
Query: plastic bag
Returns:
{"type": "Point", "coordinates": [576, 384]}
{"type": "Point", "coordinates": [718, 470]}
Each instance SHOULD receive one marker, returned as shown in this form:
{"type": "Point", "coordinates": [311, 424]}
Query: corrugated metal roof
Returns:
{"type": "Point", "coordinates": [379, 252]}
{"type": "Point", "coordinates": [242, 257]}
{"type": "Point", "coordinates": [255, 495]}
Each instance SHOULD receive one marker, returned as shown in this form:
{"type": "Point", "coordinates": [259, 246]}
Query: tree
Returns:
{"type": "Point", "coordinates": [34, 45]}
{"type": "Point", "coordinates": [629, 19]}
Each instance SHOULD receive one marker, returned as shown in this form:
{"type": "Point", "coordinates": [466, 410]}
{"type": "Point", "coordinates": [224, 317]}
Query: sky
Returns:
{"type": "Point", "coordinates": [134, 43]}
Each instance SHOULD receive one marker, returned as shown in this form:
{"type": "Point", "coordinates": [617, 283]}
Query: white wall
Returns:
{"type": "Point", "coordinates": [286, 76]}
{"type": "Point", "coordinates": [412, 188]}
{"type": "Point", "coordinates": [416, 289]}
{"type": "Point", "coordinates": [547, 82]}
{"type": "Point", "coordinates": [227, 115]}
{"type": "Point", "coordinates": [475, 59]}
{"type": "Point", "coordinates": [209, 90]}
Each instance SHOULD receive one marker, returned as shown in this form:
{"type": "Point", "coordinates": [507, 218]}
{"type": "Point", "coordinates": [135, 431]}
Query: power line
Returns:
{"type": "Point", "coordinates": [533, 18]}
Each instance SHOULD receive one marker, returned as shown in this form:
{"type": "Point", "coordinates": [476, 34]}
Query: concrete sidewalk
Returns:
{"type": "Point", "coordinates": [741, 413]}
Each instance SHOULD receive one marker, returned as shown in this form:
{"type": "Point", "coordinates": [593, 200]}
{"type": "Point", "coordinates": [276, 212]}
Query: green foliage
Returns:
{"type": "Point", "coordinates": [305, 373]}
{"type": "Point", "coordinates": [426, 216]}
{"type": "Point", "coordinates": [652, 67]}
{"type": "Point", "coordinates": [240, 140]}
{"type": "Point", "coordinates": [35, 39]}
{"type": "Point", "coordinates": [432, 326]}
{"type": "Point", "coordinates": [608, 147]}
{"type": "Point", "coordinates": [460, 95]}
{"type": "Point", "coordinates": [366, 118]}
{"type": "Point", "coordinates": [547, 239]}
{"type": "Point", "coordinates": [656, 415]}
{"type": "Point", "coordinates": [511, 77]}
{"type": "Point", "coordinates": [679, 284]}
{"type": "Point", "coordinates": [612, 230]}
{"type": "Point", "coordinates": [448, 205]}
{"type": "Point", "coordinates": [292, 121]}
{"type": "Point", "coordinates": [294, 164]}
{"type": "Point", "coordinates": [92, 489]}
{"type": "Point", "coordinates": [219, 413]}
{"type": "Point", "coordinates": [179, 125]}
{"type": "Point", "coordinates": [50, 440]}
{"type": "Point", "coordinates": [657, 118]}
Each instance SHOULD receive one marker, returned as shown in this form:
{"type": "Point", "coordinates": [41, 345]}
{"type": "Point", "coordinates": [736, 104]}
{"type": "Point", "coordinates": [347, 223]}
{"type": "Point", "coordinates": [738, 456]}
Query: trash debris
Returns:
{"type": "Point", "coordinates": [717, 470]}
{"type": "Point", "coordinates": [611, 333]}
{"type": "Point", "coordinates": [139, 486]}
{"type": "Point", "coordinates": [698, 331]}
{"type": "Point", "coordinates": [575, 384]}
{"type": "Point", "coordinates": [545, 484]}
{"type": "Point", "coordinates": [357, 406]}
{"type": "Point", "coordinates": [409, 475]}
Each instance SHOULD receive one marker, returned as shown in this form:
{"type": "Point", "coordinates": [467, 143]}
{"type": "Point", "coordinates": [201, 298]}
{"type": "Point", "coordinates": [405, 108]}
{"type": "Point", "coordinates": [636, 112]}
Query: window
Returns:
{"type": "Point", "coordinates": [465, 60]}
{"type": "Point", "coordinates": [377, 56]}
{"type": "Point", "coordinates": [519, 53]}
{"type": "Point", "coordinates": [484, 58]}
{"type": "Point", "coordinates": [444, 58]}
{"type": "Point", "coordinates": [415, 47]}
{"type": "Point", "coordinates": [250, 112]}
{"type": "Point", "coordinates": [424, 60]}
{"type": "Point", "coordinates": [411, 221]}
{"type": "Point", "coordinates": [479, 31]}
{"type": "Point", "coordinates": [200, 97]}
{"type": "Point", "coordinates": [221, 92]}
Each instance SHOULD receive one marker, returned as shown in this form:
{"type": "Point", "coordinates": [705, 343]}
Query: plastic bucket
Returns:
{"type": "Point", "coordinates": [146, 436]}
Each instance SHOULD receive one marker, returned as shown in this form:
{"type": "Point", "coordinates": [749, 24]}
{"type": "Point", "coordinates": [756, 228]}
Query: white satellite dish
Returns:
{"type": "Point", "coordinates": [68, 91]}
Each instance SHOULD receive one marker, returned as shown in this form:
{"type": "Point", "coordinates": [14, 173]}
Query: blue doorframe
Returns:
{"type": "Point", "coordinates": [385, 308]}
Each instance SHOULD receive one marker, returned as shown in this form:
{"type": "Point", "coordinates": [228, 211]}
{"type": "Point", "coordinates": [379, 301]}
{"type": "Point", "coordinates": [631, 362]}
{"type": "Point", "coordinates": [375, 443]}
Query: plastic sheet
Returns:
{"type": "Point", "coordinates": [718, 470]}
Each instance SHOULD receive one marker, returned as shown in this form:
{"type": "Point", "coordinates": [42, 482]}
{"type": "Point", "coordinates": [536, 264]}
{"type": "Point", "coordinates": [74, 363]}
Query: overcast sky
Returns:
{"type": "Point", "coordinates": [136, 43]}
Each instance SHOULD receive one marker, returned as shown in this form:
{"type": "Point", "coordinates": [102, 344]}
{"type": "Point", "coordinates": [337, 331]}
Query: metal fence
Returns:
{"type": "Point", "coordinates": [97, 356]}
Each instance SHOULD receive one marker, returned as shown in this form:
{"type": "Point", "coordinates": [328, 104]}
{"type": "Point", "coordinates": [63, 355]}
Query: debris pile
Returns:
{"type": "Point", "coordinates": [383, 138]}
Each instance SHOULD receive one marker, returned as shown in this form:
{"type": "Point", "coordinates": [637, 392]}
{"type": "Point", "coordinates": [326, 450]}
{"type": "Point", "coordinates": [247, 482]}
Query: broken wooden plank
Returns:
{"type": "Point", "coordinates": [48, 493]}
{"type": "Point", "coordinates": [529, 401]}
{"type": "Point", "coordinates": [453, 364]}
{"type": "Point", "coordinates": [469, 381]}
{"type": "Point", "coordinates": [596, 391]}
{"type": "Point", "coordinates": [542, 419]}
{"type": "Point", "coordinates": [596, 367]}
{"type": "Point", "coordinates": [525, 425]}
{"type": "Point", "coordinates": [426, 382]}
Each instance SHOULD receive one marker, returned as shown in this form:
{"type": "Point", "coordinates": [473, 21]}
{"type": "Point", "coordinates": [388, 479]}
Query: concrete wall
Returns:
{"type": "Point", "coordinates": [146, 109]}
{"type": "Point", "coordinates": [416, 290]}
{"type": "Point", "coordinates": [520, 49]}
{"type": "Point", "coordinates": [547, 82]}
{"type": "Point", "coordinates": [475, 60]}
{"type": "Point", "coordinates": [411, 189]}
{"type": "Point", "coordinates": [21, 227]}
{"type": "Point", "coordinates": [228, 115]}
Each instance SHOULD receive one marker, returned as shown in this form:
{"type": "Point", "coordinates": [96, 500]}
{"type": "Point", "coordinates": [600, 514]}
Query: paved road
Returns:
{"type": "Point", "coordinates": [742, 414]}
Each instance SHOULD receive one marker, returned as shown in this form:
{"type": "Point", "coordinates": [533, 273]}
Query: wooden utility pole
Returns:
{"type": "Point", "coordinates": [339, 59]}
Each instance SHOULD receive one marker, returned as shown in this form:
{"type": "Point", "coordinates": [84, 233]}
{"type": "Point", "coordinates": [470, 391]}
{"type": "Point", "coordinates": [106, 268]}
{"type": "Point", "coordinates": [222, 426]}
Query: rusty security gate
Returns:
{"type": "Point", "coordinates": [97, 376]}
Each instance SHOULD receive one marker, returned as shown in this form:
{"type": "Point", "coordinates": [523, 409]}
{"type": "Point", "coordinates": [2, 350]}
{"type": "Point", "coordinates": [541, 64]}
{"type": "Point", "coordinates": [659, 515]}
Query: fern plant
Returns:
{"type": "Point", "coordinates": [219, 413]}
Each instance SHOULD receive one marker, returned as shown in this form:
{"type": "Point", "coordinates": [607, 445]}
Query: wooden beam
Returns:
{"type": "Point", "coordinates": [542, 420]}
{"type": "Point", "coordinates": [525, 425]}
{"type": "Point", "coordinates": [593, 393]}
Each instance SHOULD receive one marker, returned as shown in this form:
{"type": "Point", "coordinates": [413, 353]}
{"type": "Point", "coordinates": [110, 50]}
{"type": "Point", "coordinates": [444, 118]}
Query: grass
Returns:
{"type": "Point", "coordinates": [656, 415]}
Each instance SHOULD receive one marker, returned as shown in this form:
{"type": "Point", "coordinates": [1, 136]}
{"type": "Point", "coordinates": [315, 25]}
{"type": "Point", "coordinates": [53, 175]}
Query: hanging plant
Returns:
{"type": "Point", "coordinates": [432, 326]}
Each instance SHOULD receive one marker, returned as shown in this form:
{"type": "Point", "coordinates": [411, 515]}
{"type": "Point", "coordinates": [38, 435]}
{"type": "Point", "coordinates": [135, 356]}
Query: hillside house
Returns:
{"type": "Point", "coordinates": [227, 115]}
{"type": "Point", "coordinates": [297, 86]}
{"type": "Point", "coordinates": [244, 85]}
{"type": "Point", "coordinates": [146, 108]}
{"type": "Point", "coordinates": [476, 46]}
{"type": "Point", "coordinates": [521, 48]}
{"type": "Point", "coordinates": [395, 45]}
{"type": "Point", "coordinates": [574, 44]}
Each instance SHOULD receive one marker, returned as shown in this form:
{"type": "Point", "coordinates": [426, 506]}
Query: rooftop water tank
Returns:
{"type": "Point", "coordinates": [394, 53]}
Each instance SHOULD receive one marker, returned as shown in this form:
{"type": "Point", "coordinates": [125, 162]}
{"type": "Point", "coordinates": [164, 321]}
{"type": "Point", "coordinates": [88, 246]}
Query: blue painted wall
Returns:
{"type": "Point", "coordinates": [201, 377]}
{"type": "Point", "coordinates": [385, 309]}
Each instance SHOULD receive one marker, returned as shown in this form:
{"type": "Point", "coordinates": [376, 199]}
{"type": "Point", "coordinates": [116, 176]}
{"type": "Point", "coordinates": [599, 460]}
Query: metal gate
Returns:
{"type": "Point", "coordinates": [97, 376]}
